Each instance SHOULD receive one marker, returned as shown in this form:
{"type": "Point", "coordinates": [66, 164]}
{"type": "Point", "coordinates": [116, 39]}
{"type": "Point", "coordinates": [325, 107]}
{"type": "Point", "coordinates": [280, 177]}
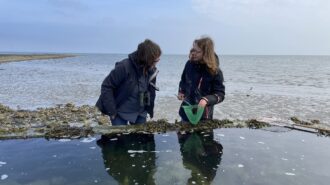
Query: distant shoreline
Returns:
{"type": "Point", "coordinates": [4, 58]}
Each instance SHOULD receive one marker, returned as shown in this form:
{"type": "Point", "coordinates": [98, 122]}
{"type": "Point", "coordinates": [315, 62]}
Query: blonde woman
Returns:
{"type": "Point", "coordinates": [202, 80]}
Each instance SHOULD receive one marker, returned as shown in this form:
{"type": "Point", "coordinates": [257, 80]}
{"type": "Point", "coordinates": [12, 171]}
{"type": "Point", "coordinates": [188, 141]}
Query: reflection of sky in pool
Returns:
{"type": "Point", "coordinates": [226, 156]}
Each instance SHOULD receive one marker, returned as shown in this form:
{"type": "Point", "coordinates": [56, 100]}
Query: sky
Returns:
{"type": "Point", "coordinates": [237, 27]}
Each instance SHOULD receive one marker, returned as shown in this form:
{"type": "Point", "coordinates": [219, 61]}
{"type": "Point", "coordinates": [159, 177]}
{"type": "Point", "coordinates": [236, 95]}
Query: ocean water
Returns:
{"type": "Point", "coordinates": [272, 87]}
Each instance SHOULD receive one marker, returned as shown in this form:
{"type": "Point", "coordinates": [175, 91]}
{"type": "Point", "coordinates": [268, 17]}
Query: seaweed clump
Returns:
{"type": "Point", "coordinates": [70, 121]}
{"type": "Point", "coordinates": [300, 122]}
{"type": "Point", "coordinates": [324, 132]}
{"type": "Point", "coordinates": [65, 131]}
{"type": "Point", "coordinates": [255, 124]}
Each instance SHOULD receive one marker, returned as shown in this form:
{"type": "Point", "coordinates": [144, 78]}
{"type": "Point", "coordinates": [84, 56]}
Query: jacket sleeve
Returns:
{"type": "Point", "coordinates": [183, 82]}
{"type": "Point", "coordinates": [109, 86]}
{"type": "Point", "coordinates": [218, 90]}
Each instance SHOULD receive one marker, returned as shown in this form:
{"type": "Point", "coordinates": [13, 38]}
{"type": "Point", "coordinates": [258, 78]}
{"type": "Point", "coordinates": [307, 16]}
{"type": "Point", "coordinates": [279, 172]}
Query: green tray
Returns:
{"type": "Point", "coordinates": [193, 112]}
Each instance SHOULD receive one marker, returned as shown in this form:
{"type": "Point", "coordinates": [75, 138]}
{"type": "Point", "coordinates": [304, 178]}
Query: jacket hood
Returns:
{"type": "Point", "coordinates": [133, 56]}
{"type": "Point", "coordinates": [134, 60]}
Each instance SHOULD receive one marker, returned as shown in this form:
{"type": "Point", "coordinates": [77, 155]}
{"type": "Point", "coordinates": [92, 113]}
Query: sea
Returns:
{"type": "Point", "coordinates": [257, 87]}
{"type": "Point", "coordinates": [272, 88]}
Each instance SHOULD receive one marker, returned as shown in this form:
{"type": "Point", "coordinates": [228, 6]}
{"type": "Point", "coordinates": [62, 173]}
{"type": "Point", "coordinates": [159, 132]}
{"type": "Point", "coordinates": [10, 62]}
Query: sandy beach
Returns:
{"type": "Point", "coordinates": [4, 58]}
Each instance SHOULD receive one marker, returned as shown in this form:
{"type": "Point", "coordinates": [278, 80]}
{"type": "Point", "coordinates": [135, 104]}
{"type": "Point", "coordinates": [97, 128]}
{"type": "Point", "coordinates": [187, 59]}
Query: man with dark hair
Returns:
{"type": "Point", "coordinates": [128, 92]}
{"type": "Point", "coordinates": [124, 160]}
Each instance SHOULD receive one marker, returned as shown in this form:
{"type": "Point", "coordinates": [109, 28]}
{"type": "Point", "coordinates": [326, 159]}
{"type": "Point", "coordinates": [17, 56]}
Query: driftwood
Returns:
{"type": "Point", "coordinates": [69, 121]}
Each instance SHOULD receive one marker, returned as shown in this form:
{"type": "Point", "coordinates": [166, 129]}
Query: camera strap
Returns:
{"type": "Point", "coordinates": [152, 77]}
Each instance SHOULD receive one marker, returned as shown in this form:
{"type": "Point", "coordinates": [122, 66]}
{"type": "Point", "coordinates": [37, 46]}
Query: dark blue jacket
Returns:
{"type": "Point", "coordinates": [119, 84]}
{"type": "Point", "coordinates": [196, 83]}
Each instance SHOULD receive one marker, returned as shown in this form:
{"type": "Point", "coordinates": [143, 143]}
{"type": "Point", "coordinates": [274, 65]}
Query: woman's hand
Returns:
{"type": "Point", "coordinates": [202, 103]}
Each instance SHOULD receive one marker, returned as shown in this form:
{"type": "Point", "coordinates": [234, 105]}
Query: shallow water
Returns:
{"type": "Point", "coordinates": [257, 86]}
{"type": "Point", "coordinates": [224, 156]}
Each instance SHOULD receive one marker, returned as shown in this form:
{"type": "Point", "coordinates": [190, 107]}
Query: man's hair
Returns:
{"type": "Point", "coordinates": [147, 53]}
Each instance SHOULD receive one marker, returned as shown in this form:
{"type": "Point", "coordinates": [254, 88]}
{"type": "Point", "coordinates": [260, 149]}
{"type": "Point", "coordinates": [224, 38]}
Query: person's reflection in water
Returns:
{"type": "Point", "coordinates": [130, 158]}
{"type": "Point", "coordinates": [200, 154]}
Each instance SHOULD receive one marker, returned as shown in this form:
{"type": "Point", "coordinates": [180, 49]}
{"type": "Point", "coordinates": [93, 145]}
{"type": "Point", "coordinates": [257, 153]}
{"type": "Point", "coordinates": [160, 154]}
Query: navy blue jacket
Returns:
{"type": "Point", "coordinates": [119, 84]}
{"type": "Point", "coordinates": [196, 83]}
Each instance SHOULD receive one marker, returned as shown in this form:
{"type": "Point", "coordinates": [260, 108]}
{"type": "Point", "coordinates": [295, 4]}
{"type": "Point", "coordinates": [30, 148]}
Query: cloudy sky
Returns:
{"type": "Point", "coordinates": [262, 27]}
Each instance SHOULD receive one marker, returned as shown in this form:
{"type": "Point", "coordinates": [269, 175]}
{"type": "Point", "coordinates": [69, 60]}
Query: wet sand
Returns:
{"type": "Point", "coordinates": [4, 58]}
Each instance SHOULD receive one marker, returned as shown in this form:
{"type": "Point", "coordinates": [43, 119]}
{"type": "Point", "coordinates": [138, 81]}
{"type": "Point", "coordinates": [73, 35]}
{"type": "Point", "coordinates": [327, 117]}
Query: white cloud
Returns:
{"type": "Point", "coordinates": [269, 26]}
{"type": "Point", "coordinates": [260, 9]}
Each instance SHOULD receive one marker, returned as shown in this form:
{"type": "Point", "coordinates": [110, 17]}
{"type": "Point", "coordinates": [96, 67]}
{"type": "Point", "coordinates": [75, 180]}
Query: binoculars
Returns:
{"type": "Point", "coordinates": [144, 99]}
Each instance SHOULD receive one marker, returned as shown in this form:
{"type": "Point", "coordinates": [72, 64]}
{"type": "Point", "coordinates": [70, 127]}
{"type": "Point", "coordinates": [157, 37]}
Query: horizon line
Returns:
{"type": "Point", "coordinates": [108, 53]}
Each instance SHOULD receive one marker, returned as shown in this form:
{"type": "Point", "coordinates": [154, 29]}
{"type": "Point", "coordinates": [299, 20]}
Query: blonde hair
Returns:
{"type": "Point", "coordinates": [209, 56]}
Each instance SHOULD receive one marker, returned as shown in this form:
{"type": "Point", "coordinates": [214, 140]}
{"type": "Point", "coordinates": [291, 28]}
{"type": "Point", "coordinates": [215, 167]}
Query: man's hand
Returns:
{"type": "Point", "coordinates": [113, 117]}
{"type": "Point", "coordinates": [180, 96]}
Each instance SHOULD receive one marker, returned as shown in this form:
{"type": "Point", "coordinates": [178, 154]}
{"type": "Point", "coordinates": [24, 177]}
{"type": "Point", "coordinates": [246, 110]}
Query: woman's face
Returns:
{"type": "Point", "coordinates": [156, 61]}
{"type": "Point", "coordinates": [196, 53]}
